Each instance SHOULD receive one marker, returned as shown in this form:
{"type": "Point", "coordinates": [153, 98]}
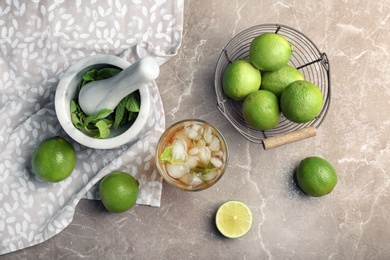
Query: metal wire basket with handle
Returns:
{"type": "Point", "coordinates": [306, 57]}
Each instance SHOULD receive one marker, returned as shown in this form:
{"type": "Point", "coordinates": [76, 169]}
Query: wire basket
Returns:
{"type": "Point", "coordinates": [306, 57]}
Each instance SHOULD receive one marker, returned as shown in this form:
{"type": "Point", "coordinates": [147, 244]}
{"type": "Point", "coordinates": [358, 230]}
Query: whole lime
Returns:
{"type": "Point", "coordinates": [260, 110]}
{"type": "Point", "coordinates": [118, 191]}
{"type": "Point", "coordinates": [316, 176]}
{"type": "Point", "coordinates": [239, 79]}
{"type": "Point", "coordinates": [276, 81]}
{"type": "Point", "coordinates": [269, 51]}
{"type": "Point", "coordinates": [301, 101]}
{"type": "Point", "coordinates": [53, 160]}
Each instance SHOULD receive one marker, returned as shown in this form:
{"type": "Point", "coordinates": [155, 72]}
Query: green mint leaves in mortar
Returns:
{"type": "Point", "coordinates": [99, 125]}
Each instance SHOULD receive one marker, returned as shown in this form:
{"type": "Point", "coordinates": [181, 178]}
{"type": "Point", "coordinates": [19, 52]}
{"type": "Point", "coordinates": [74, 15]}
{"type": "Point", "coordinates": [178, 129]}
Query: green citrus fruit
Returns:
{"type": "Point", "coordinates": [239, 79]}
{"type": "Point", "coordinates": [233, 219]}
{"type": "Point", "coordinates": [276, 81]}
{"type": "Point", "coordinates": [261, 110]}
{"type": "Point", "coordinates": [316, 176]}
{"type": "Point", "coordinates": [301, 101]}
{"type": "Point", "coordinates": [118, 191]}
{"type": "Point", "coordinates": [53, 160]}
{"type": "Point", "coordinates": [269, 51]}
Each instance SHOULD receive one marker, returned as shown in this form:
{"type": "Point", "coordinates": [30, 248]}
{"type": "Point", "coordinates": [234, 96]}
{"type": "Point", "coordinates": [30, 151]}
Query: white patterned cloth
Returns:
{"type": "Point", "coordinates": [39, 40]}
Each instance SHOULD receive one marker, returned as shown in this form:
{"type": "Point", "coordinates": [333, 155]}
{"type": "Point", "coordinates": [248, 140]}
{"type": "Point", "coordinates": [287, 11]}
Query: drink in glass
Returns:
{"type": "Point", "coordinates": [191, 155]}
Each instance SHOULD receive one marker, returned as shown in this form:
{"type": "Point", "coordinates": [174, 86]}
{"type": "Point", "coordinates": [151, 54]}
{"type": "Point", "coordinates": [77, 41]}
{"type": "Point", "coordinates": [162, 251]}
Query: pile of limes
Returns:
{"type": "Point", "coordinates": [268, 86]}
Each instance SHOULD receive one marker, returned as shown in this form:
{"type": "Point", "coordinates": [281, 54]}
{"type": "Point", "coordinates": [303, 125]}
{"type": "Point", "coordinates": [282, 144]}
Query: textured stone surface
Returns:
{"type": "Point", "coordinates": [350, 223]}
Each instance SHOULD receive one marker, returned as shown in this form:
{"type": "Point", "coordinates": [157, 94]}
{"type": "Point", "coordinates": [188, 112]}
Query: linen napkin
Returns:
{"type": "Point", "coordinates": [39, 40]}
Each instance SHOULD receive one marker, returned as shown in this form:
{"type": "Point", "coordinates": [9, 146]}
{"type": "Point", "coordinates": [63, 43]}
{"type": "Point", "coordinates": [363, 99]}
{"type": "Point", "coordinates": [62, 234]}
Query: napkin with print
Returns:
{"type": "Point", "coordinates": [39, 40]}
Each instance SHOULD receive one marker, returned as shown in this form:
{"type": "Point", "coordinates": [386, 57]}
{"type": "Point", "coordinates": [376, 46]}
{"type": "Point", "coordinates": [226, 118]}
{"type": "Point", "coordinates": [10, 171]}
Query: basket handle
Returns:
{"type": "Point", "coordinates": [290, 137]}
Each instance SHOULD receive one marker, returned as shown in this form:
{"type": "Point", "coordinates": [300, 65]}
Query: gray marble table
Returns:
{"type": "Point", "coordinates": [350, 223]}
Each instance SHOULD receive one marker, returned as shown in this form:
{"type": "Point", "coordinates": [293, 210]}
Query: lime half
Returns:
{"type": "Point", "coordinates": [233, 219]}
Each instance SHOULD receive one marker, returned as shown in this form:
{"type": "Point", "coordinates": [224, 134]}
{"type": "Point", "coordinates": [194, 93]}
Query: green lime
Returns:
{"type": "Point", "coordinates": [239, 79]}
{"type": "Point", "coordinates": [301, 101]}
{"type": "Point", "coordinates": [316, 176]}
{"type": "Point", "coordinates": [118, 191]}
{"type": "Point", "coordinates": [269, 51]}
{"type": "Point", "coordinates": [53, 160]}
{"type": "Point", "coordinates": [276, 81]}
{"type": "Point", "coordinates": [261, 110]}
{"type": "Point", "coordinates": [233, 219]}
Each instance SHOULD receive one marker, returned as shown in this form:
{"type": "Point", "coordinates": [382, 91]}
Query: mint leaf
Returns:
{"type": "Point", "coordinates": [73, 106]}
{"type": "Point", "coordinates": [166, 156]}
{"type": "Point", "coordinates": [106, 73]}
{"type": "Point", "coordinates": [132, 103]}
{"type": "Point", "coordinates": [104, 129]}
{"type": "Point", "coordinates": [104, 112]}
{"type": "Point", "coordinates": [127, 109]}
{"type": "Point", "coordinates": [90, 75]}
{"type": "Point", "coordinates": [76, 121]}
{"type": "Point", "coordinates": [119, 114]}
{"type": "Point", "coordinates": [95, 117]}
{"type": "Point", "coordinates": [75, 114]}
{"type": "Point", "coordinates": [131, 116]}
{"type": "Point", "coordinates": [204, 169]}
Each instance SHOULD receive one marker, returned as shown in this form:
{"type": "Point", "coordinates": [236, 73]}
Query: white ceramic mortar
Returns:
{"type": "Point", "coordinates": [67, 89]}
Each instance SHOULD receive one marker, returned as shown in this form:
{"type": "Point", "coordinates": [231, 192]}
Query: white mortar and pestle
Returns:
{"type": "Point", "coordinates": [107, 93]}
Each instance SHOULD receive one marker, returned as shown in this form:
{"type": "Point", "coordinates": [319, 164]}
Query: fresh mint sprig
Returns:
{"type": "Point", "coordinates": [99, 124]}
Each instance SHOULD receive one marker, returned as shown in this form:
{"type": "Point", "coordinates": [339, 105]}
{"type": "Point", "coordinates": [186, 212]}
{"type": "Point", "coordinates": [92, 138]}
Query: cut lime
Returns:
{"type": "Point", "coordinates": [233, 219]}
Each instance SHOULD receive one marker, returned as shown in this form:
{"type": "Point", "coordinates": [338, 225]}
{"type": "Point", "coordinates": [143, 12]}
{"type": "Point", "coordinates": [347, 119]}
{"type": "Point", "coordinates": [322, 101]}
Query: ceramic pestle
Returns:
{"type": "Point", "coordinates": [107, 93]}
